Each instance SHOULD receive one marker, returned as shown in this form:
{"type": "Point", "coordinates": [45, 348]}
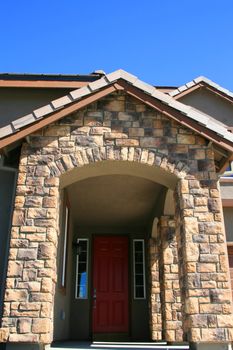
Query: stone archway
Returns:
{"type": "Point", "coordinates": [90, 137]}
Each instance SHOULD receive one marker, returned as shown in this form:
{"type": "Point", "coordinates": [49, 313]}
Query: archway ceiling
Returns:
{"type": "Point", "coordinates": [114, 201]}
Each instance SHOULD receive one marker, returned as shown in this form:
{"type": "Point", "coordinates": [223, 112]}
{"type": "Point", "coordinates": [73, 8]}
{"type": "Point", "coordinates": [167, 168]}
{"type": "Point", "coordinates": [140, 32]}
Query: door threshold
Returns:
{"type": "Point", "coordinates": [110, 337]}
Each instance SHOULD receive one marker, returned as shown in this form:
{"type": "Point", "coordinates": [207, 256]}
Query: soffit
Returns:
{"type": "Point", "coordinates": [114, 201]}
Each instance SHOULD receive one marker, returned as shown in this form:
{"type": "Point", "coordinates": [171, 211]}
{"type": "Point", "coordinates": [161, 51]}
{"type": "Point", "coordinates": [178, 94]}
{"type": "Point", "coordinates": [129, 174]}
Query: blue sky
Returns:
{"type": "Point", "coordinates": [164, 42]}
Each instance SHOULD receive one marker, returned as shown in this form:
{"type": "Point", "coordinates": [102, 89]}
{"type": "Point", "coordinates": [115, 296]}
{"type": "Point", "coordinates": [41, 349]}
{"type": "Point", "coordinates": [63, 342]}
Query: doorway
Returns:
{"type": "Point", "coordinates": [110, 307]}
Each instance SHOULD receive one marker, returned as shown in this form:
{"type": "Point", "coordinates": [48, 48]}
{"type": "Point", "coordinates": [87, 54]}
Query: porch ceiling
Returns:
{"type": "Point", "coordinates": [114, 201]}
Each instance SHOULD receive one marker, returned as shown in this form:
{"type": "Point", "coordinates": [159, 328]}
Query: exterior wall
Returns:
{"type": "Point", "coordinates": [17, 102]}
{"type": "Point", "coordinates": [208, 103]}
{"type": "Point", "coordinates": [7, 187]}
{"type": "Point", "coordinates": [228, 219]}
{"type": "Point", "coordinates": [119, 128]}
{"type": "Point", "coordinates": [62, 297]}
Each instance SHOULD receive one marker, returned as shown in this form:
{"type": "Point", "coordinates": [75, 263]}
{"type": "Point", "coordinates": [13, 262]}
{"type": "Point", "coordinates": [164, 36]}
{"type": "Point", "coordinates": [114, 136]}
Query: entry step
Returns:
{"type": "Point", "coordinates": [97, 345]}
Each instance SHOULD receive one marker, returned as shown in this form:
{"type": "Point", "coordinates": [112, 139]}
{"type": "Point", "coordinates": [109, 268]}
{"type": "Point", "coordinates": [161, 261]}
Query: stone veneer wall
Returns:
{"type": "Point", "coordinates": [119, 127]}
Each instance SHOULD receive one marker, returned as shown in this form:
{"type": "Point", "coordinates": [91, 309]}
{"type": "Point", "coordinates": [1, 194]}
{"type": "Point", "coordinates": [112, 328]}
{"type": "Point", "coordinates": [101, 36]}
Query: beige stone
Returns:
{"type": "Point", "coordinates": [18, 217]}
{"type": "Point", "coordinates": [41, 325]}
{"type": "Point", "coordinates": [13, 295]}
{"type": "Point", "coordinates": [206, 267]}
{"type": "Point", "coordinates": [24, 325]}
{"type": "Point", "coordinates": [15, 269]}
{"type": "Point", "coordinates": [4, 333]}
{"type": "Point", "coordinates": [192, 306]}
{"type": "Point", "coordinates": [225, 320]}
{"type": "Point", "coordinates": [23, 338]}
{"type": "Point", "coordinates": [186, 139]}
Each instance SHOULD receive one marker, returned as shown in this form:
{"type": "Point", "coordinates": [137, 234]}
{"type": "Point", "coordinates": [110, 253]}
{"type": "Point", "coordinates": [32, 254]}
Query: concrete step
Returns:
{"type": "Point", "coordinates": [116, 346]}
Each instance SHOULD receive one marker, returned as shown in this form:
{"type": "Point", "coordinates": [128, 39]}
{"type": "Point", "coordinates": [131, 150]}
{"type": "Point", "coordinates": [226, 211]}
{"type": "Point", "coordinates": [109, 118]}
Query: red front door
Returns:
{"type": "Point", "coordinates": [110, 285]}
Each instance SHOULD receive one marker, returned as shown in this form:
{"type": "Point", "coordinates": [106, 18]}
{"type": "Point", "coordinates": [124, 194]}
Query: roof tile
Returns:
{"type": "Point", "coordinates": [78, 93]}
{"type": "Point", "coordinates": [114, 76]}
{"type": "Point", "coordinates": [98, 84]}
{"type": "Point", "coordinates": [149, 89]}
{"type": "Point", "coordinates": [41, 112]}
{"type": "Point", "coordinates": [62, 101]}
{"type": "Point", "coordinates": [21, 122]}
{"type": "Point", "coordinates": [127, 76]}
{"type": "Point", "coordinates": [6, 131]}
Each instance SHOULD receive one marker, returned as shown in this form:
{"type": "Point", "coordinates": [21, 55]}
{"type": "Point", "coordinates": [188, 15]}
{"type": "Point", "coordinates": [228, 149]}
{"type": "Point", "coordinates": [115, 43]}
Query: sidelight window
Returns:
{"type": "Point", "coordinates": [139, 269]}
{"type": "Point", "coordinates": [81, 291]}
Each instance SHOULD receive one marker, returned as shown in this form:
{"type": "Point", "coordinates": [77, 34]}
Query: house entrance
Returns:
{"type": "Point", "coordinates": [110, 285]}
{"type": "Point", "coordinates": [107, 290]}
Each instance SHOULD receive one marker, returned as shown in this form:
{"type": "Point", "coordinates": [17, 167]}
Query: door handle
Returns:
{"type": "Point", "coordinates": [94, 298]}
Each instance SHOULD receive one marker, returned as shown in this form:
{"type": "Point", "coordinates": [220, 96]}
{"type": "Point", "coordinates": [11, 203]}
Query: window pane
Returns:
{"type": "Point", "coordinates": [82, 269]}
{"type": "Point", "coordinates": [139, 291]}
{"type": "Point", "coordinates": [139, 269]}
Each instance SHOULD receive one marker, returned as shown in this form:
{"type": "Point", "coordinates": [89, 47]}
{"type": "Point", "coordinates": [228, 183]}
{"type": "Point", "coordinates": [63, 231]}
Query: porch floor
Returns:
{"type": "Point", "coordinates": [115, 346]}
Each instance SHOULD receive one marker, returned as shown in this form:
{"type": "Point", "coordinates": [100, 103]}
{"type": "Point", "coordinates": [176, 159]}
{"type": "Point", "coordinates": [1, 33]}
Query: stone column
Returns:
{"type": "Point", "coordinates": [31, 274]}
{"type": "Point", "coordinates": [155, 303]}
{"type": "Point", "coordinates": [204, 271]}
{"type": "Point", "coordinates": [170, 287]}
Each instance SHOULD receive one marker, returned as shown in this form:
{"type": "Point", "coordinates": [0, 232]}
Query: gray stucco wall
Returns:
{"type": "Point", "coordinates": [7, 189]}
{"type": "Point", "coordinates": [17, 102]}
{"type": "Point", "coordinates": [226, 189]}
{"type": "Point", "coordinates": [211, 104]}
{"type": "Point", "coordinates": [62, 295]}
{"type": "Point", "coordinates": [228, 219]}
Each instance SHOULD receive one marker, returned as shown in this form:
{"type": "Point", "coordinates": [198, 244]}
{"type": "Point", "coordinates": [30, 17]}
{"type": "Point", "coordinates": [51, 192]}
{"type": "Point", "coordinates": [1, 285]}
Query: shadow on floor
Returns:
{"type": "Point", "coordinates": [115, 346]}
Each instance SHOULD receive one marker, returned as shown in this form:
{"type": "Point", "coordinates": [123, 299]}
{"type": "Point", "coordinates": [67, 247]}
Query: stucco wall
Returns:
{"type": "Point", "coordinates": [209, 103]}
{"type": "Point", "coordinates": [228, 219]}
{"type": "Point", "coordinates": [16, 102]}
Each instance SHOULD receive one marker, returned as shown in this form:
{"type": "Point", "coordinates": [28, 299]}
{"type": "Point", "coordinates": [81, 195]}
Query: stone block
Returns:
{"type": "Point", "coordinates": [45, 250]}
{"type": "Point", "coordinates": [206, 267]}
{"type": "Point", "coordinates": [41, 325]}
{"type": "Point", "coordinates": [192, 306]}
{"type": "Point", "coordinates": [27, 254]}
{"type": "Point", "coordinates": [18, 217]}
{"type": "Point", "coordinates": [127, 142]}
{"type": "Point", "coordinates": [56, 130]}
{"type": "Point", "coordinates": [4, 334]}
{"type": "Point", "coordinates": [136, 132]}
{"type": "Point", "coordinates": [15, 269]}
{"type": "Point", "coordinates": [150, 142]}
{"type": "Point", "coordinates": [15, 295]}
{"type": "Point", "coordinates": [186, 139]}
{"type": "Point", "coordinates": [24, 325]}
{"type": "Point", "coordinates": [23, 338]}
{"type": "Point", "coordinates": [36, 297]}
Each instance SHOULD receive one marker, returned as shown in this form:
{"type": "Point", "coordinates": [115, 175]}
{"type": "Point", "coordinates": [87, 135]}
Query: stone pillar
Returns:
{"type": "Point", "coordinates": [31, 274]}
{"type": "Point", "coordinates": [204, 271]}
{"type": "Point", "coordinates": [155, 303]}
{"type": "Point", "coordinates": [170, 287]}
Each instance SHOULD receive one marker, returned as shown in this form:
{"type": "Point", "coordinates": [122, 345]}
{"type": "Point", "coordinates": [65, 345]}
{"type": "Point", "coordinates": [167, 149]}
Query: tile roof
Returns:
{"type": "Point", "coordinates": [197, 81]}
{"type": "Point", "coordinates": [106, 80]}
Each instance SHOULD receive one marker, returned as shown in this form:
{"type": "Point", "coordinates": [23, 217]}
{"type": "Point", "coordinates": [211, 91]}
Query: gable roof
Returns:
{"type": "Point", "coordinates": [198, 82]}
{"type": "Point", "coordinates": [118, 80]}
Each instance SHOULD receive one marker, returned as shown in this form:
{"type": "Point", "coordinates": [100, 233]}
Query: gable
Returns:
{"type": "Point", "coordinates": [120, 81]}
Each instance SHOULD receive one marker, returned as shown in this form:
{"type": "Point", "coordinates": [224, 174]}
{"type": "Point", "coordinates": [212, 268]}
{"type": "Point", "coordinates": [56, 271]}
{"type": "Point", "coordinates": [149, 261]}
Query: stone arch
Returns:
{"type": "Point", "coordinates": [170, 172]}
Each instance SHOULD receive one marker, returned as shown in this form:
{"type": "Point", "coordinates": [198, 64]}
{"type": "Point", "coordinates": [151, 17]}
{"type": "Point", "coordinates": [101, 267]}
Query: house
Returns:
{"type": "Point", "coordinates": [113, 196]}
